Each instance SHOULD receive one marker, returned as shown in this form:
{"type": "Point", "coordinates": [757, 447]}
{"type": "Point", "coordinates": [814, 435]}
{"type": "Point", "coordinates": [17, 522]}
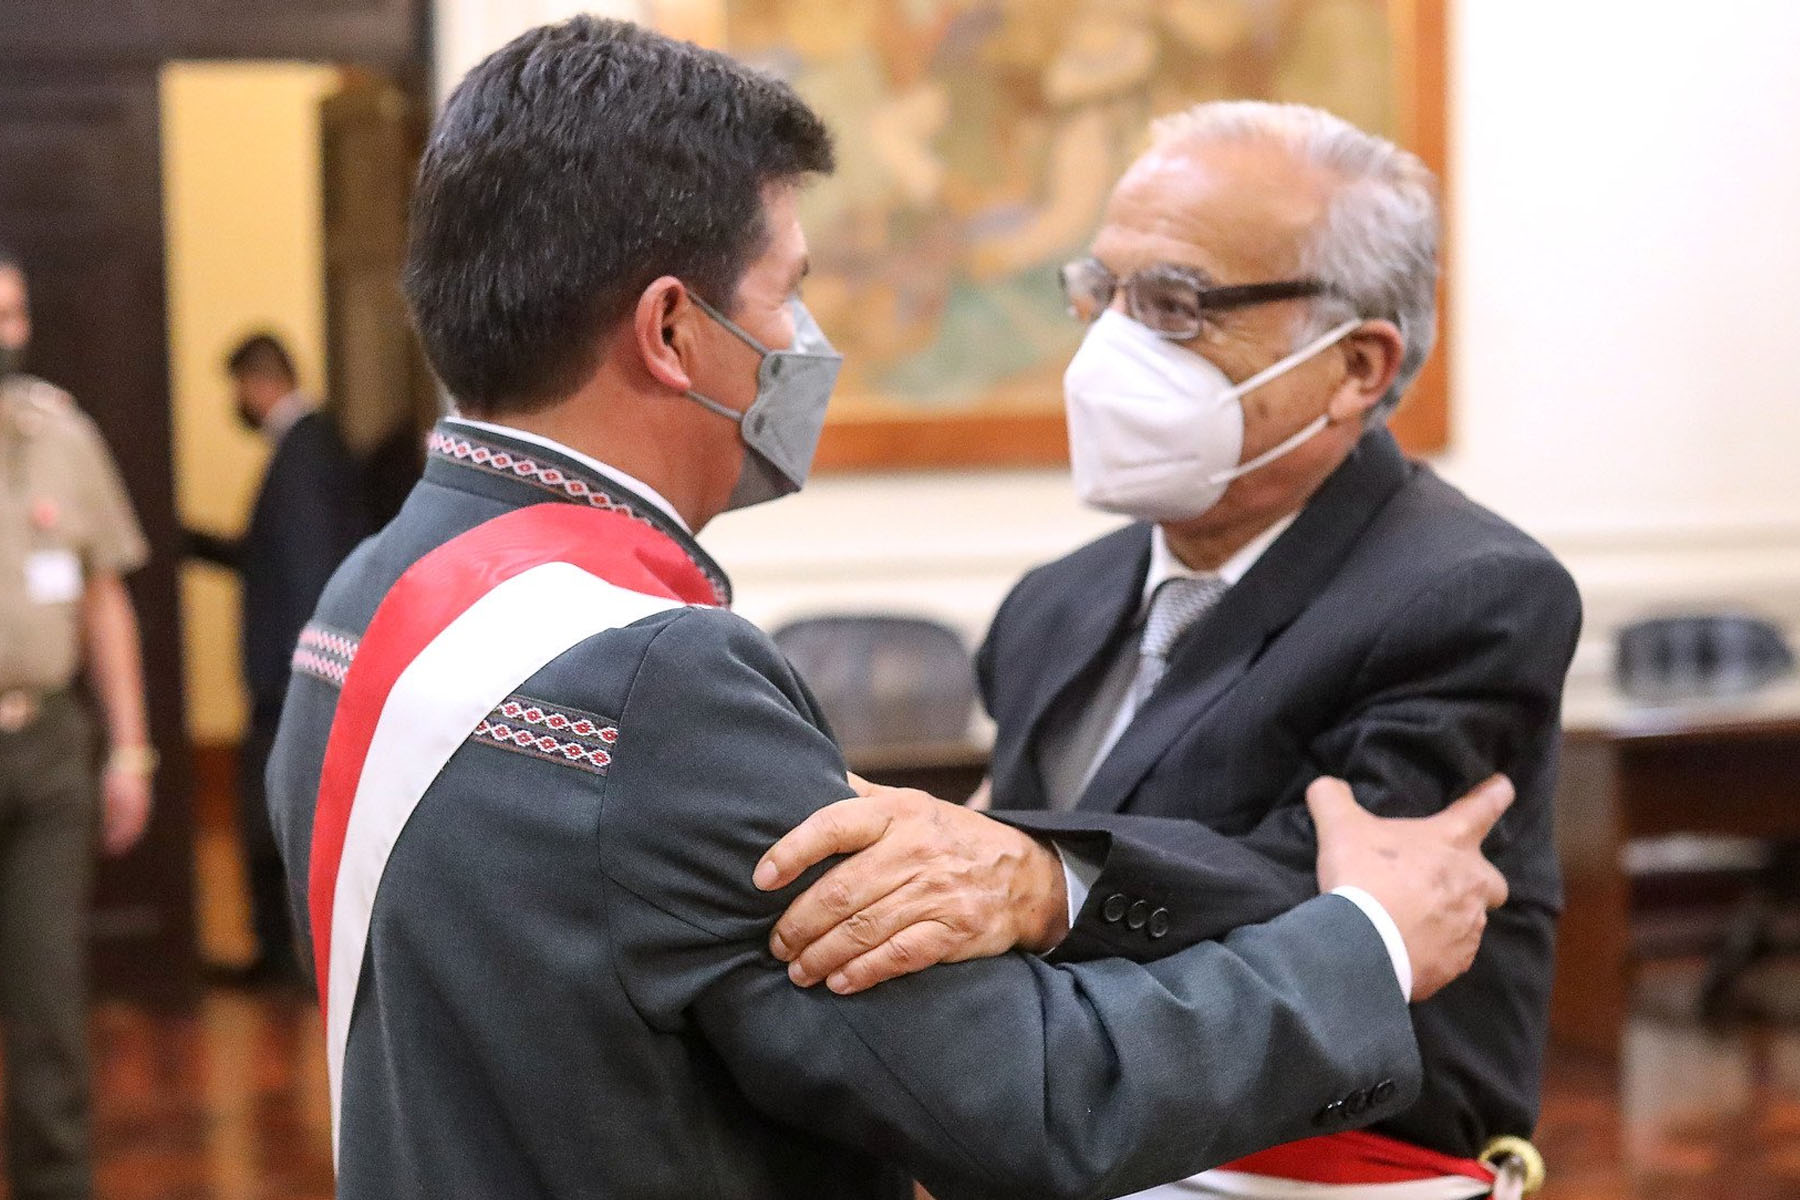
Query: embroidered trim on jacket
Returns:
{"type": "Point", "coordinates": [554, 733]}
{"type": "Point", "coordinates": [509, 464]}
{"type": "Point", "coordinates": [505, 462]}
{"type": "Point", "coordinates": [324, 653]}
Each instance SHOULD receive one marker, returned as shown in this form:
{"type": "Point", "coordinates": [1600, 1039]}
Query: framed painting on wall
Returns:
{"type": "Point", "coordinates": [978, 141]}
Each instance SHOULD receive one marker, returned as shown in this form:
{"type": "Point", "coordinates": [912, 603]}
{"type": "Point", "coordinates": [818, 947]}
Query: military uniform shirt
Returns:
{"type": "Point", "coordinates": [63, 516]}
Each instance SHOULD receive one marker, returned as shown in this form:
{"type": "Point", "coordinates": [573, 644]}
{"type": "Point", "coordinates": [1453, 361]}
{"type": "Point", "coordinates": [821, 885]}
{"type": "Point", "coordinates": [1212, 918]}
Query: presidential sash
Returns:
{"type": "Point", "coordinates": [461, 630]}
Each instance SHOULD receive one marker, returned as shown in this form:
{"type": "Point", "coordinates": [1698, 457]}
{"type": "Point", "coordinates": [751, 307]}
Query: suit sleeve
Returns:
{"type": "Point", "coordinates": [1465, 680]}
{"type": "Point", "coordinates": [985, 653]}
{"type": "Point", "coordinates": [220, 551]}
{"type": "Point", "coordinates": [999, 1078]}
{"type": "Point", "coordinates": [314, 519]}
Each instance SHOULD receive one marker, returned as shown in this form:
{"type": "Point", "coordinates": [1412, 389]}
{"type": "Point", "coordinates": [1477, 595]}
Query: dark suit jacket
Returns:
{"type": "Point", "coordinates": [567, 989]}
{"type": "Point", "coordinates": [308, 516]}
{"type": "Point", "coordinates": [1397, 635]}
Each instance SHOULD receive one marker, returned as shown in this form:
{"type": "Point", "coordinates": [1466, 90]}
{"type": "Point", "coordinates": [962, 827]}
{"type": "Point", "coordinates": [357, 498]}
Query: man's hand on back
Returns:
{"type": "Point", "coordinates": [1427, 872]}
{"type": "Point", "coordinates": [930, 882]}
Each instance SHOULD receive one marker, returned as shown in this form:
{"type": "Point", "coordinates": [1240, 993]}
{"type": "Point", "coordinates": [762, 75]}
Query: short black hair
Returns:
{"type": "Point", "coordinates": [261, 354]}
{"type": "Point", "coordinates": [569, 170]}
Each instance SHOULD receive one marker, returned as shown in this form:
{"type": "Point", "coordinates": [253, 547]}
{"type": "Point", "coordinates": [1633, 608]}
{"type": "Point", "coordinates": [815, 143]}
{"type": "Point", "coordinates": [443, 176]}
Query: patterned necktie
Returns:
{"type": "Point", "coordinates": [1177, 604]}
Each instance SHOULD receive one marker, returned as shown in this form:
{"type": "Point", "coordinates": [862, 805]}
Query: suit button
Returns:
{"type": "Point", "coordinates": [1140, 913]}
{"type": "Point", "coordinates": [1383, 1091]}
{"type": "Point", "coordinates": [1356, 1104]}
{"type": "Point", "coordinates": [1114, 908]}
{"type": "Point", "coordinates": [1159, 923]}
{"type": "Point", "coordinates": [1329, 1114]}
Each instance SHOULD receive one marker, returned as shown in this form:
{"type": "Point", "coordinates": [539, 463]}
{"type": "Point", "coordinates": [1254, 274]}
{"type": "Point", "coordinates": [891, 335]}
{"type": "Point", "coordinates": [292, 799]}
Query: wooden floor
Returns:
{"type": "Point", "coordinates": [229, 1104]}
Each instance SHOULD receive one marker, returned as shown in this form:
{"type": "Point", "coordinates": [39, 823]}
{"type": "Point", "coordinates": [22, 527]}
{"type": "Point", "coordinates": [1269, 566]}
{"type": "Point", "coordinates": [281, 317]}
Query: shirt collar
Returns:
{"type": "Point", "coordinates": [649, 494]}
{"type": "Point", "coordinates": [1164, 565]}
{"type": "Point", "coordinates": [284, 415]}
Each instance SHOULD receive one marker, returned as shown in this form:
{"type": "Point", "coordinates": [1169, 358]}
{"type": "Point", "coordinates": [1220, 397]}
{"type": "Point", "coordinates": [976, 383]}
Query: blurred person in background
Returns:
{"type": "Point", "coordinates": [1293, 598]}
{"type": "Point", "coordinates": [307, 517]}
{"type": "Point", "coordinates": [68, 537]}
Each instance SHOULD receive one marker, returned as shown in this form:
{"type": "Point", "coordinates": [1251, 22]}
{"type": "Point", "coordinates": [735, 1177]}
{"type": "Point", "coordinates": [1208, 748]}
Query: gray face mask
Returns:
{"type": "Point", "coordinates": [12, 359]}
{"type": "Point", "coordinates": [781, 428]}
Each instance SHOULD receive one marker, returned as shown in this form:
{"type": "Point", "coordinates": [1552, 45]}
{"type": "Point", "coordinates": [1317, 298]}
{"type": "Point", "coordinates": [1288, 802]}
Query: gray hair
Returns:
{"type": "Point", "coordinates": [1378, 243]}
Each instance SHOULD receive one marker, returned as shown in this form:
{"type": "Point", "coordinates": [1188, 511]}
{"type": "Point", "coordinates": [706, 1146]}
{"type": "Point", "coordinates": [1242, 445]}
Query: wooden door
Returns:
{"type": "Point", "coordinates": [390, 33]}
{"type": "Point", "coordinates": [80, 199]}
{"type": "Point", "coordinates": [379, 388]}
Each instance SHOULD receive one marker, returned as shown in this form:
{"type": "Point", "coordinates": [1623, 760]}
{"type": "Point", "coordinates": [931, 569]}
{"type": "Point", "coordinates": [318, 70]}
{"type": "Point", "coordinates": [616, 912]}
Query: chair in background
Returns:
{"type": "Point", "coordinates": [1676, 659]}
{"type": "Point", "coordinates": [1682, 658]}
{"type": "Point", "coordinates": [885, 682]}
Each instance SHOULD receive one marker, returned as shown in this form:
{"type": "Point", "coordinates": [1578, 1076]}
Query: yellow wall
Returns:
{"type": "Point", "coordinates": [242, 207]}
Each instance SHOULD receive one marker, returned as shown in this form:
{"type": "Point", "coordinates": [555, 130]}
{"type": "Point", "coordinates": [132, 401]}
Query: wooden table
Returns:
{"type": "Point", "coordinates": [1630, 770]}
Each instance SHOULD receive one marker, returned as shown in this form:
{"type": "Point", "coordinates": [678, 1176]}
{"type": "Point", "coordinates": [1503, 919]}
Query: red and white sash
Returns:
{"type": "Point", "coordinates": [461, 630]}
{"type": "Point", "coordinates": [1354, 1165]}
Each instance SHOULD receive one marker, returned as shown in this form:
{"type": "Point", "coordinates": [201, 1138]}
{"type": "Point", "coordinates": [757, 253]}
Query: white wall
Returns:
{"type": "Point", "coordinates": [245, 251]}
{"type": "Point", "coordinates": [1626, 183]}
{"type": "Point", "coordinates": [1624, 190]}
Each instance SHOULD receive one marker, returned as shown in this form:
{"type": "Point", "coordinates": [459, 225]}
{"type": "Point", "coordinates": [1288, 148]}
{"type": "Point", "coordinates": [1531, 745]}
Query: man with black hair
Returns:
{"type": "Point", "coordinates": [529, 760]}
{"type": "Point", "coordinates": [68, 538]}
{"type": "Point", "coordinates": [308, 515]}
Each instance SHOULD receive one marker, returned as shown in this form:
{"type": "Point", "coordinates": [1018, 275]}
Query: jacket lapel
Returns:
{"type": "Point", "coordinates": [1213, 655]}
{"type": "Point", "coordinates": [1073, 652]}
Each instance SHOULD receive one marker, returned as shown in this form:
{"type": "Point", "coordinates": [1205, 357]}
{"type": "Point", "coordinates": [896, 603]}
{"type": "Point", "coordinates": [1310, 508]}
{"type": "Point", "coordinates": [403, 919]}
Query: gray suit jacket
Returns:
{"type": "Point", "coordinates": [567, 990]}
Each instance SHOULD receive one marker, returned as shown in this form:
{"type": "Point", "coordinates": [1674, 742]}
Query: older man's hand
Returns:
{"type": "Point", "coordinates": [930, 882]}
{"type": "Point", "coordinates": [1428, 872]}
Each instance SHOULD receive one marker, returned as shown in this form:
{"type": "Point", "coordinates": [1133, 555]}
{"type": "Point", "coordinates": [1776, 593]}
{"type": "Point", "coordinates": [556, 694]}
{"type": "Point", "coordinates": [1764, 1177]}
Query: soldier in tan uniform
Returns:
{"type": "Point", "coordinates": [67, 539]}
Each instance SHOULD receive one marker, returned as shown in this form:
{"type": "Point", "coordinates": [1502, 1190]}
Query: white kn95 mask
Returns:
{"type": "Point", "coordinates": [1155, 430]}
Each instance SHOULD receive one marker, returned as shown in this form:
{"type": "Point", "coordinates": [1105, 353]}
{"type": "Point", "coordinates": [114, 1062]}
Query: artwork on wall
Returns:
{"type": "Point", "coordinates": [978, 141]}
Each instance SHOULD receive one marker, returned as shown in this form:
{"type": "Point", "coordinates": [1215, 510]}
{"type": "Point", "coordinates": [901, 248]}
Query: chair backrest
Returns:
{"type": "Point", "coordinates": [884, 680]}
{"type": "Point", "coordinates": [1698, 655]}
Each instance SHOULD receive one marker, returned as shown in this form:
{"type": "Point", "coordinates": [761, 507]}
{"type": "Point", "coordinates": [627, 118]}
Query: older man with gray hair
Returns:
{"type": "Point", "coordinates": [1293, 599]}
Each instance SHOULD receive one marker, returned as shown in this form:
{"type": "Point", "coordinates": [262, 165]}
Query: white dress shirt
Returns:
{"type": "Point", "coordinates": [1164, 566]}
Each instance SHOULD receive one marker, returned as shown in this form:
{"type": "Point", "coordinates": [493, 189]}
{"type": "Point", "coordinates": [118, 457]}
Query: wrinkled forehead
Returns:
{"type": "Point", "coordinates": [1239, 211]}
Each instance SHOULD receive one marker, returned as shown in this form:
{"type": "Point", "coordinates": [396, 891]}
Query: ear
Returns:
{"type": "Point", "coordinates": [661, 331]}
{"type": "Point", "coordinates": [1372, 354]}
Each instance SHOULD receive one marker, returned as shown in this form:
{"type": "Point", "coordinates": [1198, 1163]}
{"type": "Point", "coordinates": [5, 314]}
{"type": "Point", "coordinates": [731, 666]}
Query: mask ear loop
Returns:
{"type": "Point", "coordinates": [1277, 369]}
{"type": "Point", "coordinates": [1311, 429]}
{"type": "Point", "coordinates": [736, 330]}
{"type": "Point", "coordinates": [706, 402]}
{"type": "Point", "coordinates": [711, 405]}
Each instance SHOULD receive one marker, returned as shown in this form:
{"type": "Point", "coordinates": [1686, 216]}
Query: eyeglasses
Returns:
{"type": "Point", "coordinates": [1171, 301]}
